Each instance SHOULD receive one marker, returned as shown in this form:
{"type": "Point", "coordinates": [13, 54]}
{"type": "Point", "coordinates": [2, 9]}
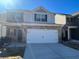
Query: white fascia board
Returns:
{"type": "Point", "coordinates": [26, 24]}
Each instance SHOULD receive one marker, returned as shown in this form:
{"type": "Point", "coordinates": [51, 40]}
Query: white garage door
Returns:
{"type": "Point", "coordinates": [42, 36]}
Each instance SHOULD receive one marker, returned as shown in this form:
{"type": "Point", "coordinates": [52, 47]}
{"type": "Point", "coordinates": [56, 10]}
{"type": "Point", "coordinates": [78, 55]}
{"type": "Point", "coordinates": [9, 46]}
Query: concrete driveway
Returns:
{"type": "Point", "coordinates": [50, 51]}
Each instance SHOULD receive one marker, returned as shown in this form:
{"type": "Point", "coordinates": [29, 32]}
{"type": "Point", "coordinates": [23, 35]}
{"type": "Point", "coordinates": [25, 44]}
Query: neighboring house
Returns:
{"type": "Point", "coordinates": [72, 27]}
{"type": "Point", "coordinates": [70, 30]}
{"type": "Point", "coordinates": [33, 26]}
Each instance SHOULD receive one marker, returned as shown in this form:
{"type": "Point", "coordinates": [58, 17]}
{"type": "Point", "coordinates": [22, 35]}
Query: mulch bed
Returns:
{"type": "Point", "coordinates": [13, 52]}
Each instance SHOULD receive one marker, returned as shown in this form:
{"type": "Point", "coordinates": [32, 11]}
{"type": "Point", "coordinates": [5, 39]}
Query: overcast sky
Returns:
{"type": "Point", "coordinates": [56, 6]}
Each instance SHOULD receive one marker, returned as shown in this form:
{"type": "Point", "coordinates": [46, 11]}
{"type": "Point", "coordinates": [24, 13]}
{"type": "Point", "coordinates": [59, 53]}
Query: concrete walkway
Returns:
{"type": "Point", "coordinates": [50, 51]}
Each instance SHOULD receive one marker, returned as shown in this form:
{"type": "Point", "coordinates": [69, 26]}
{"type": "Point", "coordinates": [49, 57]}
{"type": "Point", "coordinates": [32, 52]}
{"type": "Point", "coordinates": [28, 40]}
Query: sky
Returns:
{"type": "Point", "coordinates": [56, 6]}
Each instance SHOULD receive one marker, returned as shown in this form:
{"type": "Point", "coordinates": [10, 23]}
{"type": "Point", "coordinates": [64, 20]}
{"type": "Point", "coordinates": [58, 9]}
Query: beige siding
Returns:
{"type": "Point", "coordinates": [60, 19]}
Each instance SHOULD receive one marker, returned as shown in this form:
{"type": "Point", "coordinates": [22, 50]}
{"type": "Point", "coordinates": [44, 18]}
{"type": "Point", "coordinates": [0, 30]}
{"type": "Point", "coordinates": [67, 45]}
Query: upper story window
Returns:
{"type": "Point", "coordinates": [15, 17]}
{"type": "Point", "coordinates": [19, 17]}
{"type": "Point", "coordinates": [41, 17]}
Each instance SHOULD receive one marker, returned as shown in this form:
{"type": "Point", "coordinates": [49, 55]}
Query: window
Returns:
{"type": "Point", "coordinates": [15, 17]}
{"type": "Point", "coordinates": [41, 17]}
{"type": "Point", "coordinates": [19, 17]}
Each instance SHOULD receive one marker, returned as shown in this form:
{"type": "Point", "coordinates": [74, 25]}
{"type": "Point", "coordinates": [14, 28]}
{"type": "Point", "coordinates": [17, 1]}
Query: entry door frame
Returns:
{"type": "Point", "coordinates": [70, 27]}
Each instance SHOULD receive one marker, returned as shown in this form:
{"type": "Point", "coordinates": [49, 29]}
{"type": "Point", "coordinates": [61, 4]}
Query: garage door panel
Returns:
{"type": "Point", "coordinates": [42, 36]}
{"type": "Point", "coordinates": [51, 36]}
{"type": "Point", "coordinates": [34, 36]}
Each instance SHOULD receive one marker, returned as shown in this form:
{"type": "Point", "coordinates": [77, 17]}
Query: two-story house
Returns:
{"type": "Point", "coordinates": [33, 26]}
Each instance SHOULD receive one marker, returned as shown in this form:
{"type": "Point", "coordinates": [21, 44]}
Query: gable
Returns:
{"type": "Point", "coordinates": [40, 9]}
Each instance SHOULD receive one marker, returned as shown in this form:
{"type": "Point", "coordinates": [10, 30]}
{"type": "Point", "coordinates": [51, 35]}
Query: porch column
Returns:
{"type": "Point", "coordinates": [68, 33]}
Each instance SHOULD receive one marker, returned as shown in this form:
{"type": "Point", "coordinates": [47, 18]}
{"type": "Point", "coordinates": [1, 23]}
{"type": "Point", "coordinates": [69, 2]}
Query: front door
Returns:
{"type": "Point", "coordinates": [19, 36]}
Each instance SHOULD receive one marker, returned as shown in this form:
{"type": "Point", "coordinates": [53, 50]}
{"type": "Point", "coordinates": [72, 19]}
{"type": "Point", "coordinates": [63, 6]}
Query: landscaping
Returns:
{"type": "Point", "coordinates": [13, 52]}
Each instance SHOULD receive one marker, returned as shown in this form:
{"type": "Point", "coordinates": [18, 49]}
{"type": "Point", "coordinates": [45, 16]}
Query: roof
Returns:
{"type": "Point", "coordinates": [75, 13]}
{"type": "Point", "coordinates": [37, 9]}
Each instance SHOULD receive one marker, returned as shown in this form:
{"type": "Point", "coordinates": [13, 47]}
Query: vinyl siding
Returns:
{"type": "Point", "coordinates": [29, 17]}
